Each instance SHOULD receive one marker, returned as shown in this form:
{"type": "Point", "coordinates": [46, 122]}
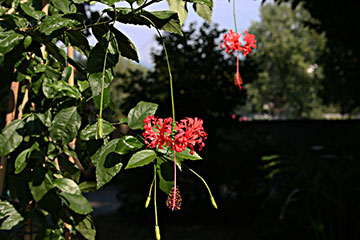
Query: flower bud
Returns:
{"type": "Point", "coordinates": [99, 129]}
{"type": "Point", "coordinates": [147, 201]}
{"type": "Point", "coordinates": [213, 202]}
{"type": "Point", "coordinates": [157, 232]}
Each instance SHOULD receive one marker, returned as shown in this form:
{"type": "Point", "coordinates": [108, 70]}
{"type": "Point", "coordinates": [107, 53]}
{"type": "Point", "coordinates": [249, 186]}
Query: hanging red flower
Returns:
{"type": "Point", "coordinates": [157, 131]}
{"type": "Point", "coordinates": [188, 133]}
{"type": "Point", "coordinates": [231, 43]}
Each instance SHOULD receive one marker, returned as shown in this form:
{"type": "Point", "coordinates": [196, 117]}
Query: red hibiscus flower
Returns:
{"type": "Point", "coordinates": [231, 43]}
{"type": "Point", "coordinates": [188, 133]}
{"type": "Point", "coordinates": [157, 131]}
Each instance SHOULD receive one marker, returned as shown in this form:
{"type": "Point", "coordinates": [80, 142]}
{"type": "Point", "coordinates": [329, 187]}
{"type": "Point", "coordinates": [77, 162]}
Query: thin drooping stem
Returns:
{"type": "Point", "coordinates": [103, 77]}
{"type": "Point", "coordinates": [169, 70]}
{"type": "Point", "coordinates": [234, 13]}
{"type": "Point", "coordinates": [170, 79]}
{"type": "Point", "coordinates": [203, 180]}
{"type": "Point", "coordinates": [150, 191]}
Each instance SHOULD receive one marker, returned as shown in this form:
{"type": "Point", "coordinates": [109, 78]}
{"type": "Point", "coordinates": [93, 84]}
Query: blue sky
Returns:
{"type": "Point", "coordinates": [247, 11]}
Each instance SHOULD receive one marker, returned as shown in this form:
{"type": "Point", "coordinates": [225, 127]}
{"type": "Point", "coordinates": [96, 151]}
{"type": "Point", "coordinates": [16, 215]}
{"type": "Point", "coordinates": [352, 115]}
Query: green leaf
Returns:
{"type": "Point", "coordinates": [77, 203]}
{"type": "Point", "coordinates": [62, 5]}
{"type": "Point", "coordinates": [56, 22]}
{"type": "Point", "coordinates": [87, 228]}
{"type": "Point", "coordinates": [90, 131]}
{"type": "Point", "coordinates": [8, 40]}
{"type": "Point", "coordinates": [140, 2]}
{"type": "Point", "coordinates": [209, 3]}
{"type": "Point", "coordinates": [66, 74]}
{"type": "Point", "coordinates": [95, 66]}
{"type": "Point", "coordinates": [45, 118]}
{"type": "Point", "coordinates": [137, 115]}
{"type": "Point", "coordinates": [126, 47]}
{"type": "Point", "coordinates": [11, 137]}
{"type": "Point", "coordinates": [27, 41]}
{"type": "Point", "coordinates": [184, 154]}
{"type": "Point", "coordinates": [41, 184]}
{"type": "Point", "coordinates": [67, 185]}
{"type": "Point", "coordinates": [141, 158]}
{"type": "Point", "coordinates": [30, 11]}
{"type": "Point", "coordinates": [128, 144]}
{"type": "Point", "coordinates": [203, 11]}
{"type": "Point", "coordinates": [54, 234]}
{"type": "Point", "coordinates": [123, 120]}
{"type": "Point", "coordinates": [20, 161]}
{"type": "Point", "coordinates": [165, 172]}
{"type": "Point", "coordinates": [270, 158]}
{"type": "Point", "coordinates": [95, 62]}
{"type": "Point", "coordinates": [81, 1]}
{"type": "Point", "coordinates": [87, 186]}
{"type": "Point", "coordinates": [179, 6]}
{"type": "Point", "coordinates": [83, 85]}
{"type": "Point", "coordinates": [107, 163]}
{"type": "Point", "coordinates": [126, 15]}
{"type": "Point", "coordinates": [15, 19]}
{"type": "Point", "coordinates": [165, 20]}
{"type": "Point", "coordinates": [63, 89]}
{"type": "Point", "coordinates": [78, 39]}
{"type": "Point", "coordinates": [65, 125]}
{"type": "Point", "coordinates": [55, 51]}
{"type": "Point", "coordinates": [11, 215]}
{"type": "Point", "coordinates": [95, 85]}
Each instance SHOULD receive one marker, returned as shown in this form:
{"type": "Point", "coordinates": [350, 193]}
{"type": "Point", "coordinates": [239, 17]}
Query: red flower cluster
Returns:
{"type": "Point", "coordinates": [188, 133]}
{"type": "Point", "coordinates": [231, 42]}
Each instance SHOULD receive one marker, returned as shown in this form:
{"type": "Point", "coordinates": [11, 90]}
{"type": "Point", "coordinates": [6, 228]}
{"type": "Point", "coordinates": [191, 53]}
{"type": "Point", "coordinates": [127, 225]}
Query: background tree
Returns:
{"type": "Point", "coordinates": [342, 71]}
{"type": "Point", "coordinates": [290, 75]}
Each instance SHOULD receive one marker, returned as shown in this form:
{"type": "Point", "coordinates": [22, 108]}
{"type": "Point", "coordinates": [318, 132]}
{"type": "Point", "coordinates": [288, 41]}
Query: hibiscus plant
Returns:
{"type": "Point", "coordinates": [55, 129]}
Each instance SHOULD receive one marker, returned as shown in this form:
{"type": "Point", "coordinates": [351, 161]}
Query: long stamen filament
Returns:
{"type": "Point", "coordinates": [175, 192]}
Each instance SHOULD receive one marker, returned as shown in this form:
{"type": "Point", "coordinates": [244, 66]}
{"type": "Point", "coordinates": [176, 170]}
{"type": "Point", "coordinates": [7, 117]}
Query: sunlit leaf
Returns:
{"type": "Point", "coordinates": [11, 137]}
{"type": "Point", "coordinates": [141, 158]}
{"type": "Point", "coordinates": [137, 115]}
{"type": "Point", "coordinates": [11, 215]}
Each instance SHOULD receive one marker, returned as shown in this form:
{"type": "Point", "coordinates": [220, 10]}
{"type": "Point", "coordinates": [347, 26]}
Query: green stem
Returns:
{"type": "Point", "coordinates": [170, 78]}
{"type": "Point", "coordinates": [203, 180]}
{"type": "Point", "coordinates": [169, 70]}
{"type": "Point", "coordinates": [234, 13]}
{"type": "Point", "coordinates": [92, 25]}
{"type": "Point", "coordinates": [157, 229]}
{"type": "Point", "coordinates": [100, 18]}
{"type": "Point", "coordinates": [150, 191]}
{"type": "Point", "coordinates": [145, 5]}
{"type": "Point", "coordinates": [103, 77]}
